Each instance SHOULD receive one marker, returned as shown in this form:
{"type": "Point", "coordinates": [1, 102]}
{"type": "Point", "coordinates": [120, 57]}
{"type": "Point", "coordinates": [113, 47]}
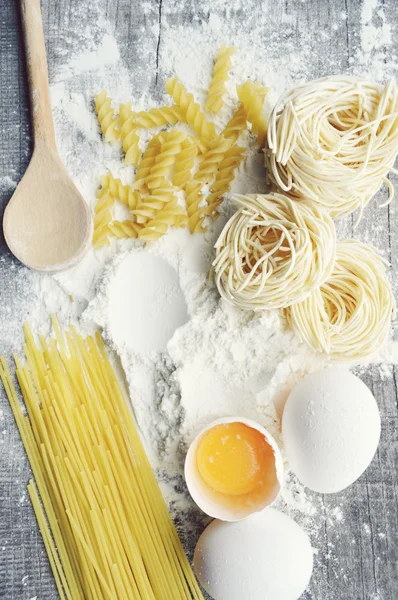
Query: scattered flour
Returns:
{"type": "Point", "coordinates": [367, 529]}
{"type": "Point", "coordinates": [187, 357]}
{"type": "Point", "coordinates": [338, 514]}
{"type": "Point", "coordinates": [375, 32]}
{"type": "Point", "coordinates": [221, 361]}
{"type": "Point", "coordinates": [374, 57]}
{"type": "Point", "coordinates": [7, 184]}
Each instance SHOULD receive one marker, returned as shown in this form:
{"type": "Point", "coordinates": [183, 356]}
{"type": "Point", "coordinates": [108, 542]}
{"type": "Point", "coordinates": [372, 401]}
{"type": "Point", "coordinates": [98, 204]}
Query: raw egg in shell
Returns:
{"type": "Point", "coordinates": [233, 469]}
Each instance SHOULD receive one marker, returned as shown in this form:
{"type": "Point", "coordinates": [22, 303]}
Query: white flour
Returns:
{"type": "Point", "coordinates": [374, 57]}
{"type": "Point", "coordinates": [7, 184]}
{"type": "Point", "coordinates": [220, 361]}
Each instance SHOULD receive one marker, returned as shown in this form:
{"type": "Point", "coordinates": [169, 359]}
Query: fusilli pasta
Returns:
{"type": "Point", "coordinates": [236, 125]}
{"type": "Point", "coordinates": [170, 214]}
{"type": "Point", "coordinates": [252, 97]}
{"type": "Point", "coordinates": [149, 206]}
{"type": "Point", "coordinates": [191, 110]}
{"type": "Point", "coordinates": [106, 117]}
{"type": "Point", "coordinates": [147, 209]}
{"type": "Point", "coordinates": [212, 159]}
{"type": "Point", "coordinates": [102, 217]}
{"type": "Point", "coordinates": [185, 162]}
{"type": "Point", "coordinates": [147, 161]}
{"type": "Point", "coordinates": [225, 176]}
{"type": "Point", "coordinates": [124, 229]}
{"type": "Point", "coordinates": [217, 88]}
{"type": "Point", "coordinates": [168, 164]}
{"type": "Point", "coordinates": [128, 134]}
{"type": "Point", "coordinates": [196, 208]}
{"type": "Point", "coordinates": [171, 146]}
{"type": "Point", "coordinates": [124, 193]}
{"type": "Point", "coordinates": [157, 117]}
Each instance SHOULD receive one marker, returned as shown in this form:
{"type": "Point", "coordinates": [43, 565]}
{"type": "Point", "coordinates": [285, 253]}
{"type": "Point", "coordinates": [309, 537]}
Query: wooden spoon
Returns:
{"type": "Point", "coordinates": [47, 223]}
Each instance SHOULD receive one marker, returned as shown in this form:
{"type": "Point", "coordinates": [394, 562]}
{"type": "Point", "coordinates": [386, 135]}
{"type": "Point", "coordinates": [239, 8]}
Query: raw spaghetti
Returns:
{"type": "Point", "coordinates": [105, 525]}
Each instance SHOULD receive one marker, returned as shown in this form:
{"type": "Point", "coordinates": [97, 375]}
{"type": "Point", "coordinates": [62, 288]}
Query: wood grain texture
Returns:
{"type": "Point", "coordinates": [357, 558]}
{"type": "Point", "coordinates": [35, 51]}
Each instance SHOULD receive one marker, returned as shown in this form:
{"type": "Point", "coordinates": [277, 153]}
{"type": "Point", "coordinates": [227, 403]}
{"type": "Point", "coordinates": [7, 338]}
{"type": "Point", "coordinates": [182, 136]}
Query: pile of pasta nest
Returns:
{"type": "Point", "coordinates": [330, 146]}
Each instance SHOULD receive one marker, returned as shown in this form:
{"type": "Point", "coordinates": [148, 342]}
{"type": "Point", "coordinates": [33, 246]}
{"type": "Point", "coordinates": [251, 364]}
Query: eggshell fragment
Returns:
{"type": "Point", "coordinates": [265, 557]}
{"type": "Point", "coordinates": [331, 429]}
{"type": "Point", "coordinates": [219, 505]}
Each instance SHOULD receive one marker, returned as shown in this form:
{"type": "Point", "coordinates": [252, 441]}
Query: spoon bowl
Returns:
{"type": "Point", "coordinates": [47, 223]}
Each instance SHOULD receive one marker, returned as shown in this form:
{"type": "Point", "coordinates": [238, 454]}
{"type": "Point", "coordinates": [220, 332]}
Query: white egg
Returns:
{"type": "Point", "coordinates": [265, 557]}
{"type": "Point", "coordinates": [331, 429]}
{"type": "Point", "coordinates": [222, 506]}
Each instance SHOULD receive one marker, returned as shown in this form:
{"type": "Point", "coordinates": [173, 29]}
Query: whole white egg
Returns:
{"type": "Point", "coordinates": [264, 557]}
{"type": "Point", "coordinates": [331, 429]}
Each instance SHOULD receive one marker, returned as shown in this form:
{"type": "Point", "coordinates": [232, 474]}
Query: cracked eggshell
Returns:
{"type": "Point", "coordinates": [331, 429]}
{"type": "Point", "coordinates": [221, 506]}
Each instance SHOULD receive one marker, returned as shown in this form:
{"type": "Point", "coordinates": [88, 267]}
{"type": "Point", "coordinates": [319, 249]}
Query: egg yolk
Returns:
{"type": "Point", "coordinates": [233, 458]}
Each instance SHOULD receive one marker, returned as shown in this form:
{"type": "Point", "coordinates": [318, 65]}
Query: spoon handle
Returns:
{"type": "Point", "coordinates": [36, 60]}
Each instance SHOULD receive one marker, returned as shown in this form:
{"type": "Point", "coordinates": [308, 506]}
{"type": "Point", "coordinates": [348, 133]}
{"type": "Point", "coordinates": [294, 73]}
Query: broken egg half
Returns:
{"type": "Point", "coordinates": [233, 469]}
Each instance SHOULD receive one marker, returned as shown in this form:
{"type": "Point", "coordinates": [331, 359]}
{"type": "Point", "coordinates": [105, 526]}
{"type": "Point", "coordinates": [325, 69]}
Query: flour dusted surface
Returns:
{"type": "Point", "coordinates": [220, 361]}
{"type": "Point", "coordinates": [146, 305]}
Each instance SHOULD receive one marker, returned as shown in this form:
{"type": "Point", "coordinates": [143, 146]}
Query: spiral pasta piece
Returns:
{"type": "Point", "coordinates": [124, 229]}
{"type": "Point", "coordinates": [181, 221]}
{"type": "Point", "coordinates": [124, 193]}
{"type": "Point", "coordinates": [157, 117]}
{"type": "Point", "coordinates": [171, 146]}
{"type": "Point", "coordinates": [349, 315]}
{"type": "Point", "coordinates": [170, 214]}
{"type": "Point", "coordinates": [196, 208]}
{"type": "Point", "coordinates": [106, 117]}
{"type": "Point", "coordinates": [193, 115]}
{"type": "Point", "coordinates": [147, 162]}
{"type": "Point", "coordinates": [214, 102]}
{"type": "Point", "coordinates": [128, 134]}
{"type": "Point", "coordinates": [149, 206]}
{"type": "Point", "coordinates": [102, 217]}
{"type": "Point", "coordinates": [333, 141]}
{"type": "Point", "coordinates": [225, 176]}
{"type": "Point", "coordinates": [212, 159]}
{"type": "Point", "coordinates": [273, 252]}
{"type": "Point", "coordinates": [185, 162]}
{"type": "Point", "coordinates": [235, 125]}
{"type": "Point", "coordinates": [148, 209]}
{"type": "Point", "coordinates": [252, 97]}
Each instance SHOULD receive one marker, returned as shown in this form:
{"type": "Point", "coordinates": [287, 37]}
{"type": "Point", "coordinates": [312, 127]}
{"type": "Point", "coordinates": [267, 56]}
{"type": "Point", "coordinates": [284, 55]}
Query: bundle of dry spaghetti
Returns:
{"type": "Point", "coordinates": [334, 141]}
{"type": "Point", "coordinates": [273, 252]}
{"type": "Point", "coordinates": [105, 525]}
{"type": "Point", "coordinates": [349, 316]}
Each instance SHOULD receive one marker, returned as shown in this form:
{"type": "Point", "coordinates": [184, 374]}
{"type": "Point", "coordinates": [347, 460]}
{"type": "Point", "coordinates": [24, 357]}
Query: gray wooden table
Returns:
{"type": "Point", "coordinates": [357, 558]}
